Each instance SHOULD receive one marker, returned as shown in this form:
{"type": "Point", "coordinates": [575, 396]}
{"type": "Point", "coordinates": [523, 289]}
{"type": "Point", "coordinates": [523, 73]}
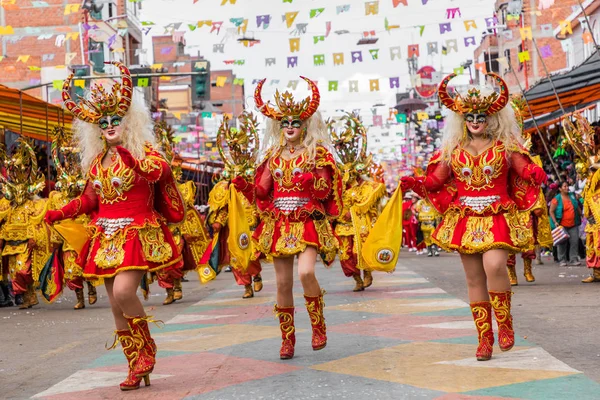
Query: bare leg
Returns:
{"type": "Point", "coordinates": [124, 291]}
{"type": "Point", "coordinates": [120, 322]}
{"type": "Point", "coordinates": [306, 272]}
{"type": "Point", "coordinates": [284, 275]}
{"type": "Point", "coordinates": [494, 264]}
{"type": "Point", "coordinates": [476, 278]}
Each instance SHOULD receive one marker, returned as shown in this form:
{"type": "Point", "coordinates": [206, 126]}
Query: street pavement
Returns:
{"type": "Point", "coordinates": [409, 336]}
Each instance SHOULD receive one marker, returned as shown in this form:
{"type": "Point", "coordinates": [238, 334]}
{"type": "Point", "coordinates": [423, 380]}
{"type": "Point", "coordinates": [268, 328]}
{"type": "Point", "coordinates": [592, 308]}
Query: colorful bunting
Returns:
{"type": "Point", "coordinates": [315, 12]}
{"type": "Point", "coordinates": [356, 56]}
{"type": "Point", "coordinates": [294, 45]}
{"type": "Point", "coordinates": [372, 7]}
{"type": "Point", "coordinates": [338, 58]}
{"type": "Point", "coordinates": [333, 86]}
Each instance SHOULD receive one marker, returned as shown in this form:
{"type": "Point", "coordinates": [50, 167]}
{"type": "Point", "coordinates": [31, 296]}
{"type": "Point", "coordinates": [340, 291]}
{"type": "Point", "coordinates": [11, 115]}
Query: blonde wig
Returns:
{"type": "Point", "coordinates": [137, 131]}
{"type": "Point", "coordinates": [501, 126]}
{"type": "Point", "coordinates": [316, 135]}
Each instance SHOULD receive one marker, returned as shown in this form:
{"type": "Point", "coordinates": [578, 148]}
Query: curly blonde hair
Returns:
{"type": "Point", "coordinates": [501, 126]}
{"type": "Point", "coordinates": [316, 135]}
{"type": "Point", "coordinates": [137, 131]}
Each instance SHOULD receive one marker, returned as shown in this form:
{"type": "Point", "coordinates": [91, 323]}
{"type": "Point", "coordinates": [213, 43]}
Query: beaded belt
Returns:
{"type": "Point", "coordinates": [478, 203]}
{"type": "Point", "coordinates": [289, 204]}
{"type": "Point", "coordinates": [111, 225]}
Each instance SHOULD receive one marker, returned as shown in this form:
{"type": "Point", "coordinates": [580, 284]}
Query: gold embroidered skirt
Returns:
{"type": "Point", "coordinates": [472, 234]}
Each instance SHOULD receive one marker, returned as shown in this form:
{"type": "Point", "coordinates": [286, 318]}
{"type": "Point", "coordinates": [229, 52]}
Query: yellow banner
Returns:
{"type": "Point", "coordinates": [239, 241]}
{"type": "Point", "coordinates": [380, 250]}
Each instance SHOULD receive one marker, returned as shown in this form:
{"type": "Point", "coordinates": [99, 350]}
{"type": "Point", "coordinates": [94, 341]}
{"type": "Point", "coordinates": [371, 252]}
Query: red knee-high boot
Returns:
{"type": "Point", "coordinates": [314, 306]}
{"type": "Point", "coordinates": [130, 351]}
{"type": "Point", "coordinates": [145, 345]}
{"type": "Point", "coordinates": [288, 331]}
{"type": "Point", "coordinates": [482, 315]}
{"type": "Point", "coordinates": [506, 334]}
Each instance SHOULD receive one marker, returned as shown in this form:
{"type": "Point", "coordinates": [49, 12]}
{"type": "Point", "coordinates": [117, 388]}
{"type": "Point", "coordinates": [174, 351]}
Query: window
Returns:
{"type": "Point", "coordinates": [96, 55]}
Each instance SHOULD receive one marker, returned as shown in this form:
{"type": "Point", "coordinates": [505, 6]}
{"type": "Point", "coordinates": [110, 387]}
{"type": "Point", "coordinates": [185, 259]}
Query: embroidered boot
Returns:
{"type": "Point", "coordinates": [170, 299]}
{"type": "Point", "coordinates": [314, 306]}
{"type": "Point", "coordinates": [512, 275]}
{"type": "Point", "coordinates": [288, 331]}
{"type": "Point", "coordinates": [129, 349]}
{"type": "Point", "coordinates": [80, 299]}
{"type": "Point", "coordinates": [92, 294]}
{"type": "Point", "coordinates": [482, 315]}
{"type": "Point", "coordinates": [527, 271]}
{"type": "Point", "coordinates": [144, 343]}
{"type": "Point", "coordinates": [258, 285]}
{"type": "Point", "coordinates": [177, 289]}
{"type": "Point", "coordinates": [501, 304]}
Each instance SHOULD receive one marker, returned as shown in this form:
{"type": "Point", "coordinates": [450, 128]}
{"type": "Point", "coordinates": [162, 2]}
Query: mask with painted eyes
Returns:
{"type": "Point", "coordinates": [295, 123]}
{"type": "Point", "coordinates": [108, 121]}
{"type": "Point", "coordinates": [476, 118]}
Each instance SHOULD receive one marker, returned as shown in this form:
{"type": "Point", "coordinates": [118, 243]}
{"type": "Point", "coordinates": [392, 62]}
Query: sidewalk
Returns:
{"type": "Point", "coordinates": [402, 338]}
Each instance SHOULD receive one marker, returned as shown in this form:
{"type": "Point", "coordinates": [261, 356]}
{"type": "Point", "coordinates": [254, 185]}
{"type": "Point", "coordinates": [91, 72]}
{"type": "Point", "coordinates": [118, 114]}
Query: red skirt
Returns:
{"type": "Point", "coordinates": [472, 234]}
{"type": "Point", "coordinates": [283, 238]}
{"type": "Point", "coordinates": [149, 248]}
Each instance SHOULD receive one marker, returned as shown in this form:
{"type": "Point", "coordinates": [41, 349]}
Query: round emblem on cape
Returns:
{"type": "Point", "coordinates": [385, 256]}
{"type": "Point", "coordinates": [207, 271]}
{"type": "Point", "coordinates": [243, 241]}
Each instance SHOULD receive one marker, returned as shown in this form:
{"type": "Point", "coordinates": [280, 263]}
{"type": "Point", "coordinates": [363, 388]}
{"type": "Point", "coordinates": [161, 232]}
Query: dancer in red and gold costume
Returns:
{"type": "Point", "coordinates": [69, 185]}
{"type": "Point", "coordinates": [362, 197]}
{"type": "Point", "coordinates": [480, 180]}
{"type": "Point", "coordinates": [191, 235]}
{"type": "Point", "coordinates": [130, 196]}
{"type": "Point", "coordinates": [24, 238]}
{"type": "Point", "coordinates": [243, 145]}
{"type": "Point", "coordinates": [539, 218]}
{"type": "Point", "coordinates": [297, 189]}
{"type": "Point", "coordinates": [584, 142]}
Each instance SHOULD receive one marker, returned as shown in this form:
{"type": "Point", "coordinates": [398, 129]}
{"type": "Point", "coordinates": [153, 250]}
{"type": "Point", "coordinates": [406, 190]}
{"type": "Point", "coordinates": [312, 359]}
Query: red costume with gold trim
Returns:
{"type": "Point", "coordinates": [482, 199]}
{"type": "Point", "coordinates": [130, 203]}
{"type": "Point", "coordinates": [296, 198]}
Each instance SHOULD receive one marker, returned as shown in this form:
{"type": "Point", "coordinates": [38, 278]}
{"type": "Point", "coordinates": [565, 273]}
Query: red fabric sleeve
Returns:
{"type": "Point", "coordinates": [321, 187]}
{"type": "Point", "coordinates": [437, 176]}
{"type": "Point", "coordinates": [84, 204]}
{"type": "Point", "coordinates": [153, 167]}
{"type": "Point", "coordinates": [263, 182]}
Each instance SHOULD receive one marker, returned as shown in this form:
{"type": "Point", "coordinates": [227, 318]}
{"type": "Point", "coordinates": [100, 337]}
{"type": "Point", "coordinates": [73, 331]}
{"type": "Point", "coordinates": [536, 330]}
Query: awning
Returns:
{"type": "Point", "coordinates": [576, 88]}
{"type": "Point", "coordinates": [554, 117]}
{"type": "Point", "coordinates": [39, 117]}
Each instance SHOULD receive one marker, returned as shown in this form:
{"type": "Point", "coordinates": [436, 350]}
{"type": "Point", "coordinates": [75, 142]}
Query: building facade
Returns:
{"type": "Point", "coordinates": [522, 45]}
{"type": "Point", "coordinates": [43, 42]}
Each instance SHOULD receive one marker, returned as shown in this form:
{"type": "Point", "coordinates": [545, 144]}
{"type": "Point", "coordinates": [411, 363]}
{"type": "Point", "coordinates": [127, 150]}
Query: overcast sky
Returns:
{"type": "Point", "coordinates": [275, 41]}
